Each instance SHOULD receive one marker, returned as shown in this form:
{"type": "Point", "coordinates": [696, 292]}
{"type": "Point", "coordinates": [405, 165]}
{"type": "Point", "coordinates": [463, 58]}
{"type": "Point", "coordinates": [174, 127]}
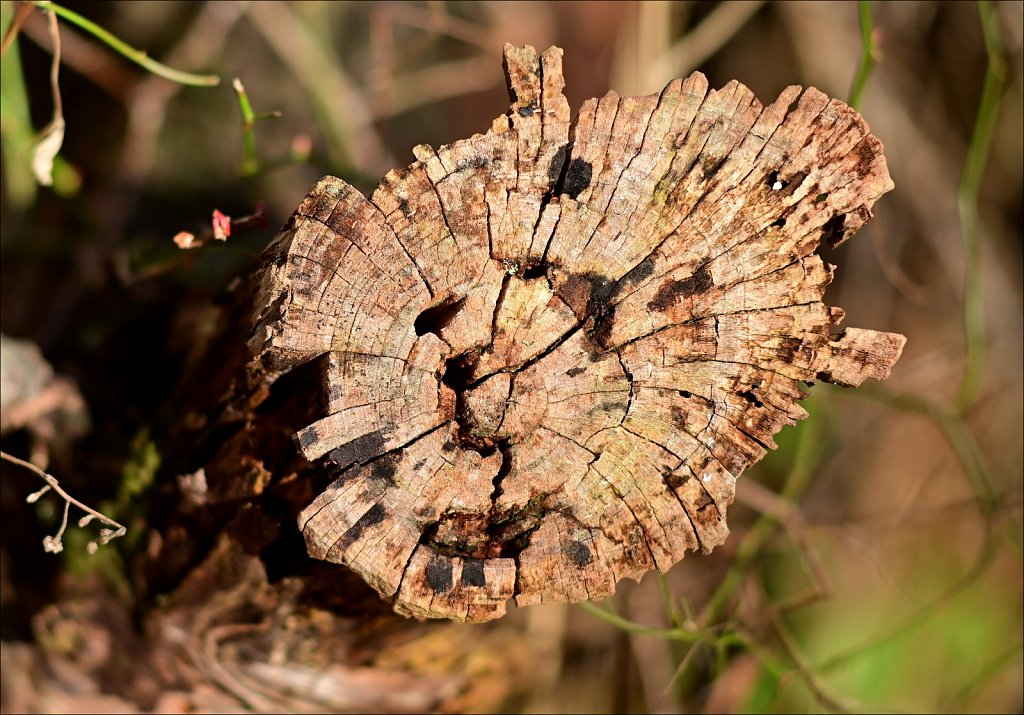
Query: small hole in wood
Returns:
{"type": "Point", "coordinates": [775, 182]}
{"type": "Point", "coordinates": [435, 318]}
{"type": "Point", "coordinates": [536, 271]}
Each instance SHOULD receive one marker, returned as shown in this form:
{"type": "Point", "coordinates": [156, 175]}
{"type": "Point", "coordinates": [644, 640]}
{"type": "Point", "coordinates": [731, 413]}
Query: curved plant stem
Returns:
{"type": "Point", "coordinates": [674, 634]}
{"type": "Point", "coordinates": [867, 57]}
{"type": "Point", "coordinates": [137, 56]}
{"type": "Point", "coordinates": [967, 200]}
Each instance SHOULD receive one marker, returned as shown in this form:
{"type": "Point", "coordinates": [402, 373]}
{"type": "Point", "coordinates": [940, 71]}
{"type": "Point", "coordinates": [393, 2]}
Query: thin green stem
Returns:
{"type": "Point", "coordinates": [671, 634]}
{"type": "Point", "coordinates": [967, 200]}
{"type": "Point", "coordinates": [797, 481]}
{"type": "Point", "coordinates": [137, 56]}
{"type": "Point", "coordinates": [250, 164]}
{"type": "Point", "coordinates": [992, 668]}
{"type": "Point", "coordinates": [956, 432]}
{"type": "Point", "coordinates": [868, 55]}
{"type": "Point", "coordinates": [920, 617]}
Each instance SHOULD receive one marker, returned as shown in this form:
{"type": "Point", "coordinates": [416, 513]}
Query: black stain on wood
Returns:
{"type": "Point", "coordinates": [788, 348]}
{"type": "Point", "coordinates": [439, 574]}
{"type": "Point", "coordinates": [639, 272]}
{"type": "Point", "coordinates": [579, 553]}
{"type": "Point", "coordinates": [476, 162]}
{"type": "Point", "coordinates": [448, 446]}
{"type": "Point", "coordinates": [574, 371]}
{"type": "Point", "coordinates": [374, 515]}
{"type": "Point", "coordinates": [556, 167]}
{"type": "Point", "coordinates": [473, 573]}
{"type": "Point", "coordinates": [677, 478]}
{"type": "Point", "coordinates": [587, 293]}
{"type": "Point", "coordinates": [674, 290]}
{"type": "Point", "coordinates": [383, 470]}
{"type": "Point", "coordinates": [578, 177]}
{"type": "Point", "coordinates": [358, 450]}
{"type": "Point", "coordinates": [308, 436]}
{"type": "Point", "coordinates": [679, 417]}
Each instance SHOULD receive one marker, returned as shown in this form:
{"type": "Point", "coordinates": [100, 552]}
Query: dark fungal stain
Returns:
{"type": "Point", "coordinates": [383, 470]}
{"type": "Point", "coordinates": [308, 436]}
{"type": "Point", "coordinates": [679, 417]}
{"type": "Point", "coordinates": [601, 291]}
{"type": "Point", "coordinates": [788, 347]}
{"type": "Point", "coordinates": [448, 446]}
{"type": "Point", "coordinates": [675, 290]}
{"type": "Point", "coordinates": [473, 573]}
{"type": "Point", "coordinates": [439, 574]}
{"type": "Point", "coordinates": [374, 515]}
{"type": "Point", "coordinates": [476, 162]}
{"type": "Point", "coordinates": [419, 465]}
{"type": "Point", "coordinates": [527, 111]}
{"type": "Point", "coordinates": [579, 553]}
{"type": "Point", "coordinates": [403, 206]}
{"type": "Point", "coordinates": [640, 271]}
{"type": "Point", "coordinates": [358, 450]}
{"type": "Point", "coordinates": [587, 293]}
{"type": "Point", "coordinates": [557, 164]}
{"type": "Point", "coordinates": [675, 479]}
{"type": "Point", "coordinates": [574, 371]}
{"type": "Point", "coordinates": [578, 177]}
{"type": "Point", "coordinates": [710, 165]}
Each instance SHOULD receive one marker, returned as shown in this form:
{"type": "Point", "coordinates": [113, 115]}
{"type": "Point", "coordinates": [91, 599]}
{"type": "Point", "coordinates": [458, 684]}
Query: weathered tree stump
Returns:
{"type": "Point", "coordinates": [545, 353]}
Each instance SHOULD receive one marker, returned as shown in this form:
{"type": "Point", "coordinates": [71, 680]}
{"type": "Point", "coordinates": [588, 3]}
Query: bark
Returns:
{"type": "Point", "coordinates": [531, 364]}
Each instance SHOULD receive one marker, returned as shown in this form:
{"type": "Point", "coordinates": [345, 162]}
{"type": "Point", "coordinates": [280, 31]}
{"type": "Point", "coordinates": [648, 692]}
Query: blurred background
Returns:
{"type": "Point", "coordinates": [875, 560]}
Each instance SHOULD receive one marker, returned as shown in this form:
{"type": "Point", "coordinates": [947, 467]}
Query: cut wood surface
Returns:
{"type": "Point", "coordinates": [546, 353]}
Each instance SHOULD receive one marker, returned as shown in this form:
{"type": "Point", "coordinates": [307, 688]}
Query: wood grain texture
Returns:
{"type": "Point", "coordinates": [547, 352]}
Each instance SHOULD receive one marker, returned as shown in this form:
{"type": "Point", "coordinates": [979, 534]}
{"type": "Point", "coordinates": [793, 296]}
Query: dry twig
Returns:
{"type": "Point", "coordinates": [54, 544]}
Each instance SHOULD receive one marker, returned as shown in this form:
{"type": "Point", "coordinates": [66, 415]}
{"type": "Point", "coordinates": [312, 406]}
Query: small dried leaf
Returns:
{"type": "Point", "coordinates": [221, 225]}
{"type": "Point", "coordinates": [184, 240]}
{"type": "Point", "coordinates": [46, 151]}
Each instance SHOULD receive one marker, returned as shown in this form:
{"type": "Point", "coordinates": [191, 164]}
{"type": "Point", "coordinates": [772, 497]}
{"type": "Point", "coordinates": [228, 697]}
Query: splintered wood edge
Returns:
{"type": "Point", "coordinates": [548, 351]}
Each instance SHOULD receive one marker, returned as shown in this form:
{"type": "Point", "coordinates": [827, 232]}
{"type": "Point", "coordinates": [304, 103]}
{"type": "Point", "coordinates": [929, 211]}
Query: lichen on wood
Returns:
{"type": "Point", "coordinates": [547, 352]}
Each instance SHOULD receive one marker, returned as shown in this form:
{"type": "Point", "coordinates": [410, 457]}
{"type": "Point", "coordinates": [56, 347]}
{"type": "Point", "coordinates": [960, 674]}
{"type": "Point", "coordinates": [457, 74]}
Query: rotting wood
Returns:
{"type": "Point", "coordinates": [547, 352]}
